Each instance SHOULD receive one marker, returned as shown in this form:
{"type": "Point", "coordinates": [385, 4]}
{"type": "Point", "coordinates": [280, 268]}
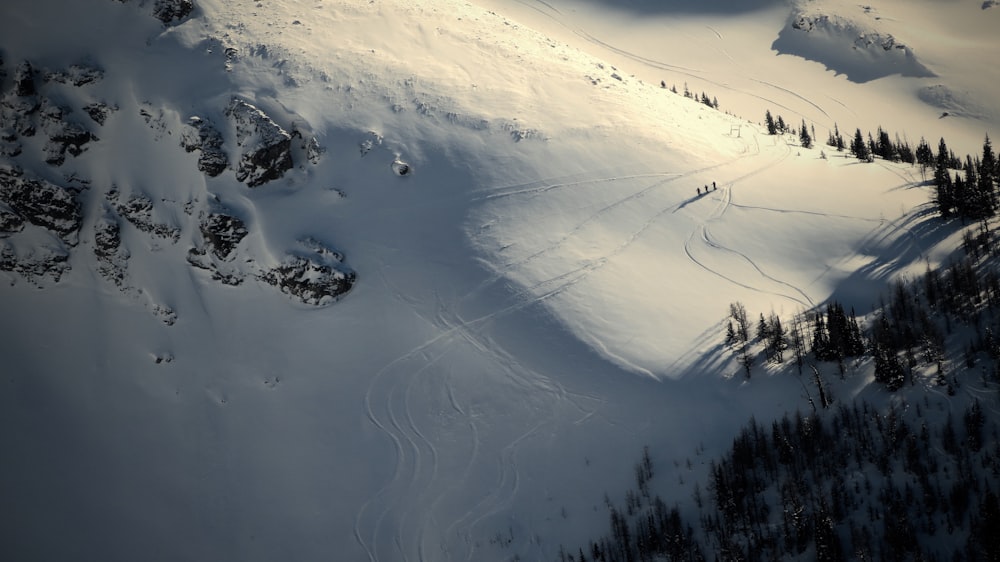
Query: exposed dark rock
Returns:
{"type": "Point", "coordinates": [41, 203]}
{"type": "Point", "coordinates": [169, 11]}
{"type": "Point", "coordinates": [222, 233]}
{"type": "Point", "coordinates": [314, 151]}
{"type": "Point", "coordinates": [24, 80]}
{"type": "Point", "coordinates": [10, 222]}
{"type": "Point", "coordinates": [65, 136]}
{"type": "Point", "coordinates": [205, 137]}
{"type": "Point", "coordinates": [9, 145]}
{"type": "Point", "coordinates": [98, 111]}
{"type": "Point", "coordinates": [309, 280]}
{"type": "Point", "coordinates": [401, 168]}
{"type": "Point", "coordinates": [315, 276]}
{"type": "Point", "coordinates": [35, 263]}
{"type": "Point", "coordinates": [265, 146]}
{"type": "Point", "coordinates": [165, 314]}
{"type": "Point", "coordinates": [138, 210]}
{"type": "Point", "coordinates": [76, 75]}
{"type": "Point", "coordinates": [112, 258]}
{"type": "Point", "coordinates": [23, 99]}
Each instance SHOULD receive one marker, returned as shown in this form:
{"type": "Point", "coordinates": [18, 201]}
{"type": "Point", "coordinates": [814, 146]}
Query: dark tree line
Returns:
{"type": "Point", "coordinates": [850, 483]}
{"type": "Point", "coordinates": [966, 189]}
{"type": "Point", "coordinates": [712, 102]}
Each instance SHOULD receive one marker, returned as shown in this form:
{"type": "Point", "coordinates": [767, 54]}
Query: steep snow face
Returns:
{"type": "Point", "coordinates": [852, 44]}
{"type": "Point", "coordinates": [524, 227]}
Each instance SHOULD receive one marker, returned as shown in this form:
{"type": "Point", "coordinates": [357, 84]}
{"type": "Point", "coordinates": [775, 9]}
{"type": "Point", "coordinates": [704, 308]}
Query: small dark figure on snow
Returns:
{"type": "Point", "coordinates": [713, 186]}
{"type": "Point", "coordinates": [698, 189]}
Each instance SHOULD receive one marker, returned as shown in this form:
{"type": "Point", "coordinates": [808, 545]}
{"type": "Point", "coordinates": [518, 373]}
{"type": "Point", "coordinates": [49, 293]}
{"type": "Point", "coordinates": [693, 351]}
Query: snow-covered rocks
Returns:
{"type": "Point", "coordinates": [220, 233]}
{"type": "Point", "coordinates": [41, 203]}
{"type": "Point", "coordinates": [264, 147]}
{"type": "Point", "coordinates": [25, 110]}
{"type": "Point", "coordinates": [76, 75]}
{"type": "Point", "coordinates": [315, 274]}
{"type": "Point", "coordinates": [201, 135]}
{"type": "Point", "coordinates": [401, 168]}
{"type": "Point", "coordinates": [848, 40]}
{"type": "Point", "coordinates": [138, 210]}
{"type": "Point", "coordinates": [170, 11]}
{"type": "Point", "coordinates": [112, 258]}
{"type": "Point", "coordinates": [309, 280]}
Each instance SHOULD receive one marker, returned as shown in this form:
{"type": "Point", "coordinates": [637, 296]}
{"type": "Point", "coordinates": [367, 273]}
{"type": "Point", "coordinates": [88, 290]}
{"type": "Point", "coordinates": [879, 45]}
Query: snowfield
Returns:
{"type": "Point", "coordinates": [543, 267]}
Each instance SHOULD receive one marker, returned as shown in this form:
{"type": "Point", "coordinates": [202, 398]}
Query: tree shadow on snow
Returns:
{"type": "Point", "coordinates": [914, 236]}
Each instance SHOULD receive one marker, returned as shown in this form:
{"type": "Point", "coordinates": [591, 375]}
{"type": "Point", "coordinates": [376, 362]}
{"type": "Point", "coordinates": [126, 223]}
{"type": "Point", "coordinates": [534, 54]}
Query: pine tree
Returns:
{"type": "Point", "coordinates": [987, 170]}
{"type": "Point", "coordinates": [777, 339]}
{"type": "Point", "coordinates": [858, 146]}
{"type": "Point", "coordinates": [924, 154]}
{"type": "Point", "coordinates": [946, 199]}
{"type": "Point", "coordinates": [772, 129]}
{"type": "Point", "coordinates": [780, 125]}
{"type": "Point", "coordinates": [804, 137]}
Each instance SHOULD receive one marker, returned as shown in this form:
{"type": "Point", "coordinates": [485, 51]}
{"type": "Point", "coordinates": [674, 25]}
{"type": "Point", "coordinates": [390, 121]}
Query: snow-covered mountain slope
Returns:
{"type": "Point", "coordinates": [821, 60]}
{"type": "Point", "coordinates": [393, 281]}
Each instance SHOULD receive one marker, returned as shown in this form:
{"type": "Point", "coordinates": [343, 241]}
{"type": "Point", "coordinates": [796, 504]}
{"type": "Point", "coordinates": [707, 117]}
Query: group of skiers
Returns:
{"type": "Point", "coordinates": [700, 192]}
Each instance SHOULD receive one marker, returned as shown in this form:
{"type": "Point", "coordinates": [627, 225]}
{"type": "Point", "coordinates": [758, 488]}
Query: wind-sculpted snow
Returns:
{"type": "Point", "coordinates": [848, 43]}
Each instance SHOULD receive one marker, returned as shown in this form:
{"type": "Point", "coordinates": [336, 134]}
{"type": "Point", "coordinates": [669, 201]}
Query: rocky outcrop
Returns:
{"type": "Point", "coordinates": [76, 75]}
{"type": "Point", "coordinates": [64, 135]}
{"type": "Point", "coordinates": [316, 276]}
{"type": "Point", "coordinates": [23, 100]}
{"type": "Point", "coordinates": [170, 11]}
{"type": "Point", "coordinates": [10, 222]}
{"type": "Point", "coordinates": [112, 258]}
{"type": "Point", "coordinates": [43, 261]}
{"type": "Point", "coordinates": [25, 111]}
{"type": "Point", "coordinates": [138, 210]}
{"type": "Point", "coordinates": [201, 135]}
{"type": "Point", "coordinates": [265, 148]}
{"type": "Point", "coordinates": [41, 203]}
{"type": "Point", "coordinates": [98, 111]}
{"type": "Point", "coordinates": [221, 234]}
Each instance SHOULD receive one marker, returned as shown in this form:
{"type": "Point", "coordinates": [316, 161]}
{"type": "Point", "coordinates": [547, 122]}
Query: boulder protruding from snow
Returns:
{"type": "Point", "coordinates": [265, 148]}
{"type": "Point", "coordinates": [203, 136]}
{"type": "Point", "coordinates": [221, 234]}
{"type": "Point", "coordinates": [401, 168]}
{"type": "Point", "coordinates": [138, 210]}
{"type": "Point", "coordinates": [41, 203]}
{"type": "Point", "coordinates": [10, 222]}
{"type": "Point", "coordinates": [170, 11]}
{"type": "Point", "coordinates": [315, 275]}
{"type": "Point", "coordinates": [112, 258]}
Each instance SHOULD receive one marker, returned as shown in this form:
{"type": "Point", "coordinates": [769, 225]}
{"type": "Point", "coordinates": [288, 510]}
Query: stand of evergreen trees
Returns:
{"type": "Point", "coordinates": [849, 483]}
{"type": "Point", "coordinates": [918, 479]}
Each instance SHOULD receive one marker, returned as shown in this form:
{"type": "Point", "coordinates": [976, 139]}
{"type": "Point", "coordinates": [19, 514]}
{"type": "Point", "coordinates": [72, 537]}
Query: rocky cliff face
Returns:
{"type": "Point", "coordinates": [264, 147]}
{"type": "Point", "coordinates": [59, 210]}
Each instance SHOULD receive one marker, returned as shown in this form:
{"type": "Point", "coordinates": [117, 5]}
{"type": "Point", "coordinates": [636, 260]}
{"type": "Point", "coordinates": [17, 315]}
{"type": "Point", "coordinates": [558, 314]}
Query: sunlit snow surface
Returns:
{"type": "Point", "coordinates": [540, 297]}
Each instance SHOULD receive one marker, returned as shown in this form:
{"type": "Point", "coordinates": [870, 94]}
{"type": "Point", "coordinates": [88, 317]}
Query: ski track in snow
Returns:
{"type": "Point", "coordinates": [702, 233]}
{"type": "Point", "coordinates": [412, 484]}
{"type": "Point", "coordinates": [681, 70]}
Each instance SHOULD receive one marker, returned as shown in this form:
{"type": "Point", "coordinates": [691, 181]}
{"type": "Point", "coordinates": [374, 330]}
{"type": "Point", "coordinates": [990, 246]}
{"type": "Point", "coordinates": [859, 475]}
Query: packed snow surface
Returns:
{"type": "Point", "coordinates": [546, 242]}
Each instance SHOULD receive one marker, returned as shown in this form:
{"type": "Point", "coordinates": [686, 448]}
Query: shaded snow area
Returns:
{"type": "Point", "coordinates": [416, 280]}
